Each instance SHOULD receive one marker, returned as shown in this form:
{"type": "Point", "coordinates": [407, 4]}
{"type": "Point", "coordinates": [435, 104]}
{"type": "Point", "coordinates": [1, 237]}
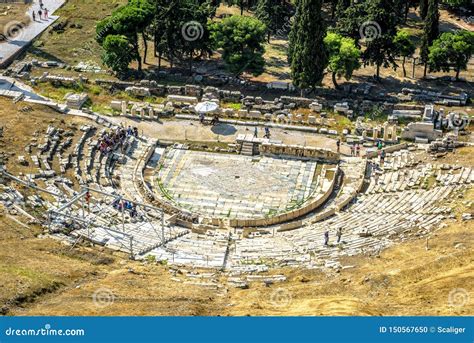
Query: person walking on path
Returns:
{"type": "Point", "coordinates": [339, 234]}
{"type": "Point", "coordinates": [267, 133]}
{"type": "Point", "coordinates": [255, 132]}
{"type": "Point", "coordinates": [46, 13]}
{"type": "Point", "coordinates": [382, 158]}
{"type": "Point", "coordinates": [326, 238]}
{"type": "Point", "coordinates": [34, 15]}
{"type": "Point", "coordinates": [352, 150]}
{"type": "Point", "coordinates": [40, 14]}
{"type": "Point", "coordinates": [338, 144]}
{"type": "Point", "coordinates": [358, 150]}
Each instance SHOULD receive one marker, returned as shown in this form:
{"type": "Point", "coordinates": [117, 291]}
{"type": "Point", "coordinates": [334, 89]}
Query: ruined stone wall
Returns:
{"type": "Point", "coordinates": [388, 149]}
{"type": "Point", "coordinates": [299, 151]}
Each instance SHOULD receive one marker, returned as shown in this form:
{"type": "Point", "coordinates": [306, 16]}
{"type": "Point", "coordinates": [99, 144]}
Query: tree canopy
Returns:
{"type": "Point", "coordinates": [241, 40]}
{"type": "Point", "coordinates": [344, 56]}
{"type": "Point", "coordinates": [451, 51]}
{"type": "Point", "coordinates": [404, 47]}
{"type": "Point", "coordinates": [272, 13]}
{"type": "Point", "coordinates": [118, 53]}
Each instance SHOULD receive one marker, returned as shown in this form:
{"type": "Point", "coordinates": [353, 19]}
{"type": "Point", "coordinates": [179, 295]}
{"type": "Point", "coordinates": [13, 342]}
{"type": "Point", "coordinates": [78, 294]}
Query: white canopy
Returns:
{"type": "Point", "coordinates": [206, 107]}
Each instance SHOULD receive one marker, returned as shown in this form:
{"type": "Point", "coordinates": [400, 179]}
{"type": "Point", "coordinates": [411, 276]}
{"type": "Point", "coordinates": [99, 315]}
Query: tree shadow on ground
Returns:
{"type": "Point", "coordinates": [224, 129]}
{"type": "Point", "coordinates": [43, 54]}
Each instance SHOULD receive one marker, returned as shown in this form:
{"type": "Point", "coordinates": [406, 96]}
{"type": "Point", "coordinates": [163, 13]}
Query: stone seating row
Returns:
{"type": "Point", "coordinates": [403, 202]}
{"type": "Point", "coordinates": [195, 249]}
{"type": "Point", "coordinates": [393, 181]}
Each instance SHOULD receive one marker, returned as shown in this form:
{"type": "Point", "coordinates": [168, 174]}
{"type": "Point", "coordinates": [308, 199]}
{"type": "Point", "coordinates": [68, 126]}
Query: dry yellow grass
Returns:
{"type": "Point", "coordinates": [20, 128]}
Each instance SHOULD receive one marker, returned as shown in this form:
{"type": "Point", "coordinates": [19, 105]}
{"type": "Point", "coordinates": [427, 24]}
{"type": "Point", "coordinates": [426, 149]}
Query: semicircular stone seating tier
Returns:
{"type": "Point", "coordinates": [374, 207]}
{"type": "Point", "coordinates": [241, 191]}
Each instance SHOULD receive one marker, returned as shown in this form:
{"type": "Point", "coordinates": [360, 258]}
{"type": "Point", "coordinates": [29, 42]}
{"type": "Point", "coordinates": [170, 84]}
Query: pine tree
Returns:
{"type": "Point", "coordinates": [307, 54]}
{"type": "Point", "coordinates": [344, 56]}
{"type": "Point", "coordinates": [431, 31]}
{"type": "Point", "coordinates": [451, 51]}
{"type": "Point", "coordinates": [241, 39]}
{"type": "Point", "coordinates": [341, 6]}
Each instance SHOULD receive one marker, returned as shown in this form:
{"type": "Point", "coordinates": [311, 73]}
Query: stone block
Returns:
{"type": "Point", "coordinates": [138, 91]}
{"type": "Point", "coordinates": [192, 90]}
{"type": "Point", "coordinates": [76, 101]}
{"type": "Point", "coordinates": [255, 114]}
{"type": "Point", "coordinates": [316, 107]}
{"type": "Point", "coordinates": [175, 90]}
{"type": "Point", "coordinates": [116, 105]}
{"type": "Point", "coordinates": [242, 113]}
{"type": "Point", "coordinates": [182, 99]}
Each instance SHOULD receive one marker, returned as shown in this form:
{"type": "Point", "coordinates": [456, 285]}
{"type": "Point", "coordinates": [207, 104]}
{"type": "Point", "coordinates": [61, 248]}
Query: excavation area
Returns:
{"type": "Point", "coordinates": [198, 227]}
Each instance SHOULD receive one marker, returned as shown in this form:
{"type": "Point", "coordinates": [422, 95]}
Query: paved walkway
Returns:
{"type": "Point", "coordinates": [194, 131]}
{"type": "Point", "coordinates": [10, 84]}
{"type": "Point", "coordinates": [23, 37]}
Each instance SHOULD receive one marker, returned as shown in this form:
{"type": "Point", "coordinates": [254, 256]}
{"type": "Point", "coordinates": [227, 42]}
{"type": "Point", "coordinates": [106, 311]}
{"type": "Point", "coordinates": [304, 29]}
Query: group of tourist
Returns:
{"type": "Point", "coordinates": [338, 236]}
{"type": "Point", "coordinates": [124, 205]}
{"type": "Point", "coordinates": [266, 135]}
{"type": "Point", "coordinates": [43, 13]}
{"type": "Point", "coordinates": [110, 140]}
{"type": "Point", "coordinates": [355, 150]}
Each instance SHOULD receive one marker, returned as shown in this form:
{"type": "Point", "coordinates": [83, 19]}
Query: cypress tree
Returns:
{"type": "Point", "coordinates": [430, 31]}
{"type": "Point", "coordinates": [380, 50]}
{"type": "Point", "coordinates": [306, 52]}
{"type": "Point", "coordinates": [423, 8]}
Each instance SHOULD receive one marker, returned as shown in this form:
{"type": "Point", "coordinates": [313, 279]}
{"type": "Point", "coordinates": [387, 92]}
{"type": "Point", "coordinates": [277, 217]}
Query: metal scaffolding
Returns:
{"type": "Point", "coordinates": [64, 212]}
